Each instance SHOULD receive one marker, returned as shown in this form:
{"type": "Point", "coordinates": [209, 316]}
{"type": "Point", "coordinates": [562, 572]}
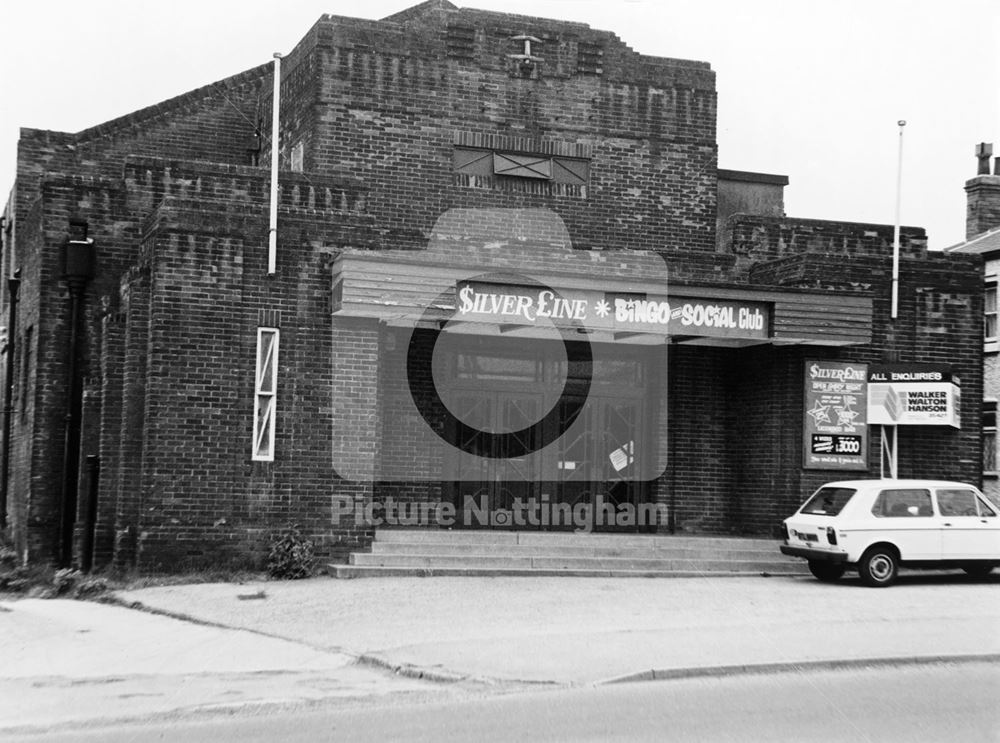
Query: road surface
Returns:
{"type": "Point", "coordinates": [933, 703]}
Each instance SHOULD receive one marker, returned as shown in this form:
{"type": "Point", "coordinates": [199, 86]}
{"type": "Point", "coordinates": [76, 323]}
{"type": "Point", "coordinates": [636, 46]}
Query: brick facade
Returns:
{"type": "Point", "coordinates": [983, 239]}
{"type": "Point", "coordinates": [398, 122]}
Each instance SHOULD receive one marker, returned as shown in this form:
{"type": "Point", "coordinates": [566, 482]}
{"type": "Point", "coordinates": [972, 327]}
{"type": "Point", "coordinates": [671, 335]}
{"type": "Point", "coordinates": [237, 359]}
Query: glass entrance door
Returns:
{"type": "Point", "coordinates": [487, 488]}
{"type": "Point", "coordinates": [594, 464]}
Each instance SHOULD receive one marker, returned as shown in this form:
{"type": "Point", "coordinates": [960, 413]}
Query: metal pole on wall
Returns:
{"type": "Point", "coordinates": [888, 452]}
{"type": "Point", "coordinates": [895, 232]}
{"type": "Point", "coordinates": [272, 236]}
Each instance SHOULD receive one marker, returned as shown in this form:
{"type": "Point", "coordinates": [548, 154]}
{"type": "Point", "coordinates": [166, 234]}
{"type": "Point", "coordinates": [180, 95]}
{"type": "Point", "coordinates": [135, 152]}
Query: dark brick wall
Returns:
{"type": "Point", "coordinates": [216, 123]}
{"type": "Point", "coordinates": [186, 490]}
{"type": "Point", "coordinates": [126, 490]}
{"type": "Point", "coordinates": [64, 176]}
{"type": "Point", "coordinates": [386, 102]}
{"type": "Point", "coordinates": [736, 420]}
{"type": "Point", "coordinates": [764, 424]}
{"type": "Point", "coordinates": [758, 239]}
{"type": "Point", "coordinates": [939, 320]}
{"type": "Point", "coordinates": [44, 315]}
{"type": "Point", "coordinates": [22, 507]}
{"type": "Point", "coordinates": [112, 335]}
{"type": "Point", "coordinates": [700, 469]}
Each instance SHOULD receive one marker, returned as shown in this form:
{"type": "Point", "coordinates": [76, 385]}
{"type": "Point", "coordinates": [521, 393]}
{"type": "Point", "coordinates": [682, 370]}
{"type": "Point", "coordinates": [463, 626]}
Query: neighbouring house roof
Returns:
{"type": "Point", "coordinates": [982, 244]}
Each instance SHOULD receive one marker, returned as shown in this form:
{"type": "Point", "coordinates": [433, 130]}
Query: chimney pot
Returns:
{"type": "Point", "coordinates": [984, 150]}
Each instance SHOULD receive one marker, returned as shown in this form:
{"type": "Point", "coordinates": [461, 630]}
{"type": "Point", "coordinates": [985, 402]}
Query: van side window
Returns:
{"type": "Point", "coordinates": [903, 504]}
{"type": "Point", "coordinates": [957, 503]}
{"type": "Point", "coordinates": [986, 510]}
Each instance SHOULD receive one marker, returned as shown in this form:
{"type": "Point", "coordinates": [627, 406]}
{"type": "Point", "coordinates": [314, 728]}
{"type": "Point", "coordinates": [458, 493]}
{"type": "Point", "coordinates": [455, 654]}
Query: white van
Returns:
{"type": "Point", "coordinates": [879, 525]}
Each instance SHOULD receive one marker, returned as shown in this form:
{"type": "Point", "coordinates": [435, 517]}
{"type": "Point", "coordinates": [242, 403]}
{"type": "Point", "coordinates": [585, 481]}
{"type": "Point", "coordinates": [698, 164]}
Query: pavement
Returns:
{"type": "Point", "coordinates": [76, 662]}
{"type": "Point", "coordinates": [217, 647]}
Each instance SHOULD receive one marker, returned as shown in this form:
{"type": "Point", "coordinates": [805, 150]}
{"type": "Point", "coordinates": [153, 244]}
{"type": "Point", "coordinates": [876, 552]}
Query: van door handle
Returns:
{"type": "Point", "coordinates": [947, 524]}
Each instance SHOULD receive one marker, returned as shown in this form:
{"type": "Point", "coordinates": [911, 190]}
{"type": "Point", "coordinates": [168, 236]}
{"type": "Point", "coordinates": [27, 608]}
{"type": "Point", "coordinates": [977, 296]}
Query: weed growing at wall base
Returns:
{"type": "Point", "coordinates": [291, 556]}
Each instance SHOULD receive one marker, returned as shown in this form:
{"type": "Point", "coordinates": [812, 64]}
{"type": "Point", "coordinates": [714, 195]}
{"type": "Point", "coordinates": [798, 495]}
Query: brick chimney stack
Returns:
{"type": "Point", "coordinates": [983, 191]}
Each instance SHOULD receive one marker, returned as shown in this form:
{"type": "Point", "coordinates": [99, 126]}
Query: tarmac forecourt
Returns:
{"type": "Point", "coordinates": [211, 647]}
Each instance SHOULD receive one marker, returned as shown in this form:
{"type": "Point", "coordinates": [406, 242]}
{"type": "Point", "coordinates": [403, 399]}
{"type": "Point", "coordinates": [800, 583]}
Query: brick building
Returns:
{"type": "Point", "coordinates": [982, 231]}
{"type": "Point", "coordinates": [507, 267]}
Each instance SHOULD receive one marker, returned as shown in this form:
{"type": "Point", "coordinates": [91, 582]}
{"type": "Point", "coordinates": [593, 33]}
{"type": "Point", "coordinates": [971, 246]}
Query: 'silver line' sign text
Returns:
{"type": "Point", "coordinates": [501, 303]}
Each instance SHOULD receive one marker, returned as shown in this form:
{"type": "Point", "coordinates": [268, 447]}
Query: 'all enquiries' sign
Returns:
{"type": "Point", "coordinates": [914, 395]}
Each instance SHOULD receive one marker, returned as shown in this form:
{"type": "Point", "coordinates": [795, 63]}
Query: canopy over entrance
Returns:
{"type": "Point", "coordinates": [417, 289]}
{"type": "Point", "coordinates": [515, 271]}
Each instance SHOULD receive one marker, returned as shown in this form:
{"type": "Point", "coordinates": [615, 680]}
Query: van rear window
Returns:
{"type": "Point", "coordinates": [828, 501]}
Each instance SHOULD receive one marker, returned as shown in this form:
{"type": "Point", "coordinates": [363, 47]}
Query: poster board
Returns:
{"type": "Point", "coordinates": [835, 430]}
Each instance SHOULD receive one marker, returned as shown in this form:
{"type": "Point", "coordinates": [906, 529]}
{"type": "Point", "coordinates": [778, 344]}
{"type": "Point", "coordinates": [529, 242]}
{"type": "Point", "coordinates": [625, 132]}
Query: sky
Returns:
{"type": "Point", "coordinates": [812, 90]}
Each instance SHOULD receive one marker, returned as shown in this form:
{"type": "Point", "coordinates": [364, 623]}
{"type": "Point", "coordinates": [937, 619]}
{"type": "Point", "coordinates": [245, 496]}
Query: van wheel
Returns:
{"type": "Point", "coordinates": [827, 572]}
{"type": "Point", "coordinates": [978, 571]}
{"type": "Point", "coordinates": [878, 567]}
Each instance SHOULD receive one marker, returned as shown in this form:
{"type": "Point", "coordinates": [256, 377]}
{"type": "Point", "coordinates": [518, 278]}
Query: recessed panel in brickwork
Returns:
{"type": "Point", "coordinates": [460, 41]}
{"type": "Point", "coordinates": [589, 59]}
{"type": "Point", "coordinates": [521, 173]}
{"type": "Point", "coordinates": [522, 166]}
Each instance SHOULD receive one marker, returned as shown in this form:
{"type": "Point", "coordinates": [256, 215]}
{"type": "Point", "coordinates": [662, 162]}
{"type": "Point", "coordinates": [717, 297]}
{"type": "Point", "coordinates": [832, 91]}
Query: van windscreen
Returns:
{"type": "Point", "coordinates": [828, 501]}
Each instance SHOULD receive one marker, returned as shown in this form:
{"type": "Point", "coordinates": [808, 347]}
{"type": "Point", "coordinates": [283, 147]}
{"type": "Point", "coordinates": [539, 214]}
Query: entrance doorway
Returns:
{"type": "Point", "coordinates": [595, 463]}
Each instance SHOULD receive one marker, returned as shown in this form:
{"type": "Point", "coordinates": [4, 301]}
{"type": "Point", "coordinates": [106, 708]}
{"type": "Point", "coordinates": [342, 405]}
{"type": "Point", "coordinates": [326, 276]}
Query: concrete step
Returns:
{"type": "Point", "coordinates": [375, 571]}
{"type": "Point", "coordinates": [448, 536]}
{"type": "Point", "coordinates": [573, 563]}
{"type": "Point", "coordinates": [418, 552]}
{"type": "Point", "coordinates": [568, 539]}
{"type": "Point", "coordinates": [656, 550]}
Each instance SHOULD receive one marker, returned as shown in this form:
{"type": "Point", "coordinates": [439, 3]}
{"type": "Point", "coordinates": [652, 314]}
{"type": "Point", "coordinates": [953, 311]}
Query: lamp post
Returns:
{"type": "Point", "coordinates": [78, 264]}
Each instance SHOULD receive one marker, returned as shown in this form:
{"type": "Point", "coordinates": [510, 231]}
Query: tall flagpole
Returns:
{"type": "Point", "coordinates": [888, 450]}
{"type": "Point", "coordinates": [895, 232]}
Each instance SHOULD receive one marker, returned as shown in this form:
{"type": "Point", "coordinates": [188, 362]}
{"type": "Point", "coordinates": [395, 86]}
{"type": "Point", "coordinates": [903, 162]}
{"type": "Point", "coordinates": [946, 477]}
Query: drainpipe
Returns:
{"type": "Point", "coordinates": [672, 443]}
{"type": "Point", "coordinates": [13, 284]}
{"type": "Point", "coordinates": [90, 521]}
{"type": "Point", "coordinates": [78, 269]}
